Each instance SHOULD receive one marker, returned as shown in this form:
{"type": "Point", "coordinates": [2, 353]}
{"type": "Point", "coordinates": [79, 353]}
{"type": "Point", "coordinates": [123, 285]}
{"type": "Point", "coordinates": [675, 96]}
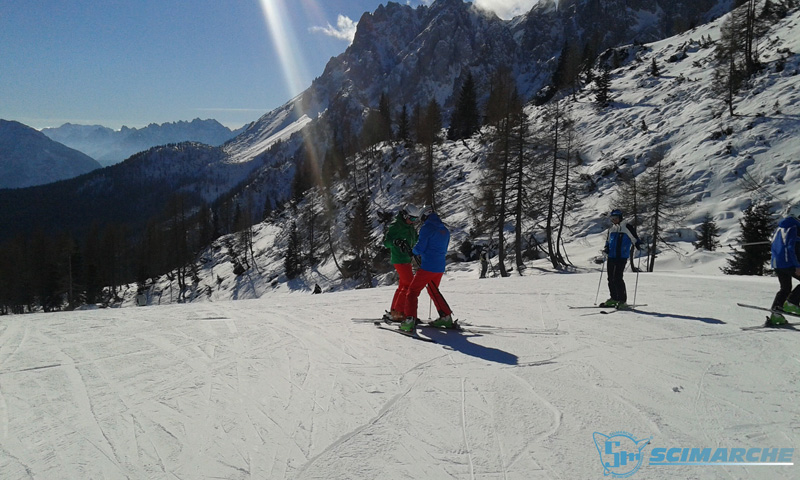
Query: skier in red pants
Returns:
{"type": "Point", "coordinates": [399, 239]}
{"type": "Point", "coordinates": [431, 247]}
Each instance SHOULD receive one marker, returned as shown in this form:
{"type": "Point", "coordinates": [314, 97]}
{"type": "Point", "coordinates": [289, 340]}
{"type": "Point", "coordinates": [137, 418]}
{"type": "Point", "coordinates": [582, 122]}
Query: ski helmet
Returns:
{"type": "Point", "coordinates": [425, 212]}
{"type": "Point", "coordinates": [794, 210]}
{"type": "Point", "coordinates": [411, 212]}
{"type": "Point", "coordinates": [616, 213]}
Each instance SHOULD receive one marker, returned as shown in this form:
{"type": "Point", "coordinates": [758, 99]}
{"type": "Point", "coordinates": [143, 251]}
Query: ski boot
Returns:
{"type": "Point", "coordinates": [443, 322]}
{"type": "Point", "coordinates": [791, 308]}
{"type": "Point", "coordinates": [622, 306]}
{"type": "Point", "coordinates": [775, 320]}
{"type": "Point", "coordinates": [409, 325]}
{"type": "Point", "coordinates": [609, 303]}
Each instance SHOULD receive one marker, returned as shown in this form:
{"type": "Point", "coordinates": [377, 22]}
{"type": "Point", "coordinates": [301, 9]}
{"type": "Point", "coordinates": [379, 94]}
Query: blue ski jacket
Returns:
{"type": "Point", "coordinates": [784, 244]}
{"type": "Point", "coordinates": [434, 238]}
{"type": "Point", "coordinates": [619, 239]}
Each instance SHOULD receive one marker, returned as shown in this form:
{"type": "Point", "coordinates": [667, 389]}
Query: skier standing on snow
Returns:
{"type": "Point", "coordinates": [434, 238]}
{"type": "Point", "coordinates": [484, 261]}
{"type": "Point", "coordinates": [785, 261]}
{"type": "Point", "coordinates": [399, 239]}
{"type": "Point", "coordinates": [619, 239]}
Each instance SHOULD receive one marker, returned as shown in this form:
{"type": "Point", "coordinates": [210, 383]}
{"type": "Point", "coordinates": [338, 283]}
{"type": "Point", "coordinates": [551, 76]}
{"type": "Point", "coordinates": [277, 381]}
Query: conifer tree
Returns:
{"type": "Point", "coordinates": [503, 111]}
{"type": "Point", "coordinates": [736, 54]}
{"type": "Point", "coordinates": [602, 93]}
{"type": "Point", "coordinates": [385, 112]}
{"type": "Point", "coordinates": [558, 142]}
{"type": "Point", "coordinates": [654, 70]}
{"type": "Point", "coordinates": [403, 126]}
{"type": "Point", "coordinates": [359, 233]}
{"type": "Point", "coordinates": [465, 122]}
{"type": "Point", "coordinates": [757, 227]}
{"type": "Point", "coordinates": [662, 199]}
{"type": "Point", "coordinates": [428, 131]}
{"type": "Point", "coordinates": [293, 264]}
{"type": "Point", "coordinates": [707, 234]}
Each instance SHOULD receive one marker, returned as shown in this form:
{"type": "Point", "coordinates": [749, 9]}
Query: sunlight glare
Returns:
{"type": "Point", "coordinates": [285, 42]}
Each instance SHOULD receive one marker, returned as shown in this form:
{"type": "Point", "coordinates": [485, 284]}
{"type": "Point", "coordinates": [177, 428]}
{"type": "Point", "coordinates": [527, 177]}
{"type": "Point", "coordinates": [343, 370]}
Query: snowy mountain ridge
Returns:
{"type": "Point", "coordinates": [417, 54]}
{"type": "Point", "coordinates": [710, 151]}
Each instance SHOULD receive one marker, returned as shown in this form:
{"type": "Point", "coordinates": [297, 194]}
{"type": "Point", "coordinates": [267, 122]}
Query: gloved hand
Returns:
{"type": "Point", "coordinates": [639, 245]}
{"type": "Point", "coordinates": [403, 245]}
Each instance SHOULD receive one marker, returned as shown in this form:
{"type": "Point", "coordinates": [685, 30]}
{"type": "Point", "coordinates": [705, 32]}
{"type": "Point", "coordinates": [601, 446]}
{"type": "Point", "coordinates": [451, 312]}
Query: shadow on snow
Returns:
{"type": "Point", "coordinates": [459, 341]}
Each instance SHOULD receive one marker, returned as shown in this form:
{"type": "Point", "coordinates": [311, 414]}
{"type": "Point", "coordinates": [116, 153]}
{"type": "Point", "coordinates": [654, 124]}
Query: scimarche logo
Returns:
{"type": "Point", "coordinates": [722, 456]}
{"type": "Point", "coordinates": [620, 453]}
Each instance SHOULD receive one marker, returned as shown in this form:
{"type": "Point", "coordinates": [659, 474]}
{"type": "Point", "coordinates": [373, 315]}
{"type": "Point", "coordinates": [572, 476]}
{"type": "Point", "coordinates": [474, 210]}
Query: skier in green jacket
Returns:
{"type": "Point", "coordinates": [400, 238]}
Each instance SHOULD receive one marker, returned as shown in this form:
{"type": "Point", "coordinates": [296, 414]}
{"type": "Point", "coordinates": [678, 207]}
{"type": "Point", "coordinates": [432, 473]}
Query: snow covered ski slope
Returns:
{"type": "Point", "coordinates": [289, 387]}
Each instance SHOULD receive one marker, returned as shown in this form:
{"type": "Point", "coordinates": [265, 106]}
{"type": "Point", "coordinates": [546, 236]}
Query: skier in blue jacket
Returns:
{"type": "Point", "coordinates": [619, 239]}
{"type": "Point", "coordinates": [431, 247]}
{"type": "Point", "coordinates": [786, 264]}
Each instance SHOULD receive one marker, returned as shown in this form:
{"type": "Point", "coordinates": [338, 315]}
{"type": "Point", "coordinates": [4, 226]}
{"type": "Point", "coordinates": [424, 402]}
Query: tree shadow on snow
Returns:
{"type": "Point", "coordinates": [459, 341]}
{"type": "Point", "coordinates": [712, 321]}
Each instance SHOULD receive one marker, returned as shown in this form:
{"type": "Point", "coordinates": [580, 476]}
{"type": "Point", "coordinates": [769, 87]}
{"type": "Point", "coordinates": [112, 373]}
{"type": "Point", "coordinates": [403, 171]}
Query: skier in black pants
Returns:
{"type": "Point", "coordinates": [621, 236]}
{"type": "Point", "coordinates": [786, 262]}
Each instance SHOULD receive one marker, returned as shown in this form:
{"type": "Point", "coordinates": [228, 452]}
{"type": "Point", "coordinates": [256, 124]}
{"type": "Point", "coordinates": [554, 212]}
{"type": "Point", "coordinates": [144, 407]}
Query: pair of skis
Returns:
{"type": "Point", "coordinates": [790, 325]}
{"type": "Point", "coordinates": [383, 324]}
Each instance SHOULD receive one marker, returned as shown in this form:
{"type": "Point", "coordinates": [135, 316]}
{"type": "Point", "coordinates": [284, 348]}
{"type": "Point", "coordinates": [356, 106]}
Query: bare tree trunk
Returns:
{"type": "Point", "coordinates": [501, 222]}
{"type": "Point", "coordinates": [552, 190]}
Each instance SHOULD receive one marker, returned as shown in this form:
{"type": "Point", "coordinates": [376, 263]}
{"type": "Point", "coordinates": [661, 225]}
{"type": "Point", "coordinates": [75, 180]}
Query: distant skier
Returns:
{"type": "Point", "coordinates": [434, 238]}
{"type": "Point", "coordinates": [484, 261]}
{"type": "Point", "coordinates": [399, 239]}
{"type": "Point", "coordinates": [619, 239]}
{"type": "Point", "coordinates": [785, 261]}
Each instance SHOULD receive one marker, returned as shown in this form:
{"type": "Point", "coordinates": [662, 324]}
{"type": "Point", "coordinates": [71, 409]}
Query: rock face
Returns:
{"type": "Point", "coordinates": [28, 158]}
{"type": "Point", "coordinates": [415, 54]}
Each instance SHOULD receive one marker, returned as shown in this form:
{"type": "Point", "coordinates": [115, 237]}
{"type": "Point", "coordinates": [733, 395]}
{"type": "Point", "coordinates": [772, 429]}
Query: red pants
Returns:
{"type": "Point", "coordinates": [431, 280]}
{"type": "Point", "coordinates": [406, 275]}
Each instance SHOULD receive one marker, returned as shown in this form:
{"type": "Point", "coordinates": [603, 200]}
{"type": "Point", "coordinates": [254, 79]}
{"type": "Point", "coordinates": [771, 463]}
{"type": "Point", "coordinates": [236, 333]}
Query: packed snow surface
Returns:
{"type": "Point", "coordinates": [288, 386]}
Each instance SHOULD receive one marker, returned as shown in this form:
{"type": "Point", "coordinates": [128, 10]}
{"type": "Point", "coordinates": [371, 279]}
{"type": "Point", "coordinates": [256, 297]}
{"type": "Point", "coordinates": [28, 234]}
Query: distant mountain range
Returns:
{"type": "Point", "coordinates": [29, 158]}
{"type": "Point", "coordinates": [109, 146]}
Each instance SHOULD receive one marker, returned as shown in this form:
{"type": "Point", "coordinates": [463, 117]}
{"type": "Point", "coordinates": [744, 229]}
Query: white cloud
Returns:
{"type": "Point", "coordinates": [345, 29]}
{"type": "Point", "coordinates": [506, 9]}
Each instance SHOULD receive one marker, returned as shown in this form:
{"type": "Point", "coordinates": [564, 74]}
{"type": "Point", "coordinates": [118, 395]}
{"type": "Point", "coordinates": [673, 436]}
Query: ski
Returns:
{"type": "Point", "coordinates": [405, 334]}
{"type": "Point", "coordinates": [755, 307]}
{"type": "Point", "coordinates": [785, 326]}
{"type": "Point", "coordinates": [580, 307]}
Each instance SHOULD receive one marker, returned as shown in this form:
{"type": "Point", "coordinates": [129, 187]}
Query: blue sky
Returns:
{"type": "Point", "coordinates": [117, 62]}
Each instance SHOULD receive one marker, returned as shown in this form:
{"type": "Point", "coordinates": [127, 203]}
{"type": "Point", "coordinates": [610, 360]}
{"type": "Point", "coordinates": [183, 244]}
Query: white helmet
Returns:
{"type": "Point", "coordinates": [794, 210]}
{"type": "Point", "coordinates": [412, 211]}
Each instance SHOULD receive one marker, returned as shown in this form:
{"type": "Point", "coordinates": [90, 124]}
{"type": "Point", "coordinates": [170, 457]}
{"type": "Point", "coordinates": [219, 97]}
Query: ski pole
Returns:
{"type": "Point", "coordinates": [636, 287]}
{"type": "Point", "coordinates": [600, 282]}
